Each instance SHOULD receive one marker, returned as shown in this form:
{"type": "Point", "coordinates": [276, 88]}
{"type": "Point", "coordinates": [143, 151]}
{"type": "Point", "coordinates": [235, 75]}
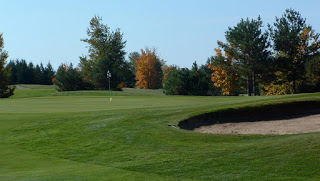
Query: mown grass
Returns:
{"type": "Point", "coordinates": [84, 136]}
{"type": "Point", "coordinates": [30, 90]}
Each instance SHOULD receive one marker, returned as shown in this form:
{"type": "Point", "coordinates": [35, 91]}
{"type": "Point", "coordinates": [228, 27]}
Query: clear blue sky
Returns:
{"type": "Point", "coordinates": [183, 31]}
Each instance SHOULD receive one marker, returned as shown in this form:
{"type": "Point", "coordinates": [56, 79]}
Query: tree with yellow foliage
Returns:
{"type": "Point", "coordinates": [225, 75]}
{"type": "Point", "coordinates": [293, 72]}
{"type": "Point", "coordinates": [313, 72]}
{"type": "Point", "coordinates": [294, 43]}
{"type": "Point", "coordinates": [167, 72]}
{"type": "Point", "coordinates": [149, 69]}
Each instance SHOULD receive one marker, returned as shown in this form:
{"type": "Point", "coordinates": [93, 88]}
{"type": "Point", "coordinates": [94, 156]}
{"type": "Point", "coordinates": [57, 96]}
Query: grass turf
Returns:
{"type": "Point", "coordinates": [84, 136]}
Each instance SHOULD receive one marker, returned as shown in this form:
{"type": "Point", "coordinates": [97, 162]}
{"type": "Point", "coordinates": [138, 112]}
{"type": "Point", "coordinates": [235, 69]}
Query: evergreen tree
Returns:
{"type": "Point", "coordinates": [5, 73]}
{"type": "Point", "coordinates": [295, 43]}
{"type": "Point", "coordinates": [199, 82]}
{"type": "Point", "coordinates": [128, 76]}
{"type": "Point", "coordinates": [178, 83]}
{"type": "Point", "coordinates": [24, 73]}
{"type": "Point", "coordinates": [49, 74]}
{"type": "Point", "coordinates": [37, 74]}
{"type": "Point", "coordinates": [29, 74]}
{"type": "Point", "coordinates": [189, 82]}
{"type": "Point", "coordinates": [46, 74]}
{"type": "Point", "coordinates": [313, 72]}
{"type": "Point", "coordinates": [132, 56]}
{"type": "Point", "coordinates": [248, 45]}
{"type": "Point", "coordinates": [69, 79]}
{"type": "Point", "coordinates": [14, 78]}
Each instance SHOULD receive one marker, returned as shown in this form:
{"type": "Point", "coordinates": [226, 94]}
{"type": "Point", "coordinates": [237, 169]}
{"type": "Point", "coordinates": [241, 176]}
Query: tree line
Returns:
{"type": "Point", "coordinates": [28, 73]}
{"type": "Point", "coordinates": [144, 69]}
{"type": "Point", "coordinates": [281, 58]}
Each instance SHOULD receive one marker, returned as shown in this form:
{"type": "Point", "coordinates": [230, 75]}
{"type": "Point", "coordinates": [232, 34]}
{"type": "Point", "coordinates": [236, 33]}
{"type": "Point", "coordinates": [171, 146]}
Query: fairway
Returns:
{"type": "Point", "coordinates": [46, 135]}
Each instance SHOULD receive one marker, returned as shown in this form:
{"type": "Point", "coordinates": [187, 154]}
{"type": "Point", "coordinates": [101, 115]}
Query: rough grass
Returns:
{"type": "Point", "coordinates": [86, 137]}
{"type": "Point", "coordinates": [36, 86]}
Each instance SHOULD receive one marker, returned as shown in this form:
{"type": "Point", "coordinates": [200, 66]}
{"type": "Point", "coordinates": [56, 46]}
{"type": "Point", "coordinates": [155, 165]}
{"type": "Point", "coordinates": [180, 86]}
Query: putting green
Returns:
{"type": "Point", "coordinates": [54, 104]}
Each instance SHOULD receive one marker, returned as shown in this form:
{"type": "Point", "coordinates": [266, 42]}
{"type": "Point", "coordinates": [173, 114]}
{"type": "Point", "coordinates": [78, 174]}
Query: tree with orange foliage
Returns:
{"type": "Point", "coordinates": [149, 69]}
{"type": "Point", "coordinates": [225, 75]}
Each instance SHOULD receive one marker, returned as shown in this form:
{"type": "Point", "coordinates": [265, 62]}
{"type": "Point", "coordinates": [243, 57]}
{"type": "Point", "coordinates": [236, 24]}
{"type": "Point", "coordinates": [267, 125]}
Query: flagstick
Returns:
{"type": "Point", "coordinates": [109, 76]}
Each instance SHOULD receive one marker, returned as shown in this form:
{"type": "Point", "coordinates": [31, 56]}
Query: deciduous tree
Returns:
{"type": "Point", "coordinates": [224, 75]}
{"type": "Point", "coordinates": [149, 69]}
{"type": "Point", "coordinates": [167, 72]}
{"type": "Point", "coordinates": [106, 53]}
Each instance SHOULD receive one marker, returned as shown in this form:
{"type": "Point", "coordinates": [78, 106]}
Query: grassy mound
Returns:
{"type": "Point", "coordinates": [88, 137]}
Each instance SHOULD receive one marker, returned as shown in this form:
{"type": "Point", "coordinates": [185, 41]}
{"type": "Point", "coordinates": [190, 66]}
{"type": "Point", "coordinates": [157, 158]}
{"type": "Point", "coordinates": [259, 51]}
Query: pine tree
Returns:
{"type": "Point", "coordinates": [69, 79]}
{"type": "Point", "coordinates": [295, 43]}
{"type": "Point", "coordinates": [249, 46]}
{"type": "Point", "coordinates": [5, 73]}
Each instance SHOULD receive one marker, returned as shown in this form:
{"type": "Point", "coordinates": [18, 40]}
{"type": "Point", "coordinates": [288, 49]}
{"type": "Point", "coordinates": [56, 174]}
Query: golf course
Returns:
{"type": "Point", "coordinates": [82, 135]}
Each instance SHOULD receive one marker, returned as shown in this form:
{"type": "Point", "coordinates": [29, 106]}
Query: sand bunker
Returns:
{"type": "Point", "coordinates": [305, 124]}
{"type": "Point", "coordinates": [289, 118]}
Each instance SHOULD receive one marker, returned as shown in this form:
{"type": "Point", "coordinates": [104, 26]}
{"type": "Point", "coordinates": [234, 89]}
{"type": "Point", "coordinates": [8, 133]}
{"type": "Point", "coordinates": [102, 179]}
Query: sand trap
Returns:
{"type": "Point", "coordinates": [288, 118]}
{"type": "Point", "coordinates": [305, 124]}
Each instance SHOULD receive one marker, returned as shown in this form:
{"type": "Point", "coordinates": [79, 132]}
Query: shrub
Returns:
{"type": "Point", "coordinates": [70, 79]}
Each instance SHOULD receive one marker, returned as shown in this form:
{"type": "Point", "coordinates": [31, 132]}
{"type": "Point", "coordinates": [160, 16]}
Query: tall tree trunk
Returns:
{"type": "Point", "coordinates": [148, 81]}
{"type": "Point", "coordinates": [254, 91]}
{"type": "Point", "coordinates": [294, 85]}
{"type": "Point", "coordinates": [249, 84]}
{"type": "Point", "coordinates": [294, 77]}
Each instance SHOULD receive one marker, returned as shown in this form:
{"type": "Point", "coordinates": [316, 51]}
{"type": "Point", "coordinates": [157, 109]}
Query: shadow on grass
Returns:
{"type": "Point", "coordinates": [253, 114]}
